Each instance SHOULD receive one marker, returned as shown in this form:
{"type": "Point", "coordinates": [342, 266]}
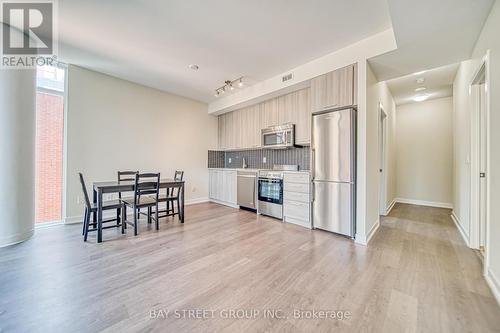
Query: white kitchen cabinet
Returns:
{"type": "Point", "coordinates": [333, 90]}
{"type": "Point", "coordinates": [297, 198]}
{"type": "Point", "coordinates": [229, 189]}
{"type": "Point", "coordinates": [222, 186]}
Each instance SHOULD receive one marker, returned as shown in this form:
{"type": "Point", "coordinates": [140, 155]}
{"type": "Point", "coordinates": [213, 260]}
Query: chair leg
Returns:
{"type": "Point", "coordinates": [135, 224]}
{"type": "Point", "coordinates": [86, 226]}
{"type": "Point", "coordinates": [84, 219]}
{"type": "Point", "coordinates": [157, 223]}
{"type": "Point", "coordinates": [178, 208]}
{"type": "Point", "coordinates": [123, 219]}
{"type": "Point", "coordinates": [118, 217]}
{"type": "Point", "coordinates": [125, 216]}
{"type": "Point", "coordinates": [149, 215]}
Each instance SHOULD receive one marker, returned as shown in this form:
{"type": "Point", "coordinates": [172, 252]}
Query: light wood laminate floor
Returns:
{"type": "Point", "coordinates": [416, 275]}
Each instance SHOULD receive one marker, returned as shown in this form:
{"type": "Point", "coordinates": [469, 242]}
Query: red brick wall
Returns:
{"type": "Point", "coordinates": [49, 157]}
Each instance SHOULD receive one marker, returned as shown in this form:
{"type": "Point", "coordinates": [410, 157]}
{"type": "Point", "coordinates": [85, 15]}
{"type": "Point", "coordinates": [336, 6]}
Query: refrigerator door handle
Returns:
{"type": "Point", "coordinates": [313, 162]}
{"type": "Point", "coordinates": [312, 192]}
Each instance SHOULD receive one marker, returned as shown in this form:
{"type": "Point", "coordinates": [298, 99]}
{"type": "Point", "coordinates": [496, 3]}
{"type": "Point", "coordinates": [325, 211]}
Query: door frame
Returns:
{"type": "Point", "coordinates": [483, 69]}
{"type": "Point", "coordinates": [382, 155]}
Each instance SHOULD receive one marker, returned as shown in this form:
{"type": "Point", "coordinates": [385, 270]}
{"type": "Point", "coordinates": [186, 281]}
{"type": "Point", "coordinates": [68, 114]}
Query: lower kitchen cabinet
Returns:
{"type": "Point", "coordinates": [297, 198]}
{"type": "Point", "coordinates": [222, 186]}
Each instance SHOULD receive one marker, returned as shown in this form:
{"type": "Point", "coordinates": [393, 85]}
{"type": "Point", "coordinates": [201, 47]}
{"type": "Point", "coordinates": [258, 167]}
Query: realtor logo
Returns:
{"type": "Point", "coordinates": [28, 33]}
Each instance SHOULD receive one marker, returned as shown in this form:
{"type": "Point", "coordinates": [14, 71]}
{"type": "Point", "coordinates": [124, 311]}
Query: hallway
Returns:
{"type": "Point", "coordinates": [435, 276]}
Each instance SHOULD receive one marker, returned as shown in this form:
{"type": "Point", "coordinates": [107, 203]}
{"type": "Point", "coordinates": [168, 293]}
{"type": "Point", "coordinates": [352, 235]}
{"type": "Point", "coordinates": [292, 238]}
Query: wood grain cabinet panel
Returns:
{"type": "Point", "coordinates": [302, 116]}
{"type": "Point", "coordinates": [241, 129]}
{"type": "Point", "coordinates": [333, 90]}
{"type": "Point", "coordinates": [222, 131]}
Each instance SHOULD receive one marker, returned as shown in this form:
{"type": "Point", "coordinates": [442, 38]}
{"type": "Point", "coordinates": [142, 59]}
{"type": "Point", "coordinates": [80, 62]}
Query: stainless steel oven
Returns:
{"type": "Point", "coordinates": [270, 194]}
{"type": "Point", "coordinates": [279, 137]}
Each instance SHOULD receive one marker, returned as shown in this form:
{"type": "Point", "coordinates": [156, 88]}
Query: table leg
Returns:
{"type": "Point", "coordinates": [182, 203]}
{"type": "Point", "coordinates": [99, 216]}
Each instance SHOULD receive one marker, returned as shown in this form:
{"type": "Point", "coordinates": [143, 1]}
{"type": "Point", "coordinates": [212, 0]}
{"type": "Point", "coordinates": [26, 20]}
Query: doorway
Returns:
{"type": "Point", "coordinates": [480, 161]}
{"type": "Point", "coordinates": [382, 141]}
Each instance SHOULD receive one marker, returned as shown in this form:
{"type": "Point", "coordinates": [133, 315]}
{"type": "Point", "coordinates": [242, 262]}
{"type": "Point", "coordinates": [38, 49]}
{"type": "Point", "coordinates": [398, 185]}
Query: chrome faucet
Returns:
{"type": "Point", "coordinates": [244, 163]}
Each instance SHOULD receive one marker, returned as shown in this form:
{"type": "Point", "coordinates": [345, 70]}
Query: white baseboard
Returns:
{"type": "Point", "coordinates": [196, 201]}
{"type": "Point", "coordinates": [424, 203]}
{"type": "Point", "coordinates": [17, 238]}
{"type": "Point", "coordinates": [463, 233]}
{"type": "Point", "coordinates": [365, 239]}
{"type": "Point", "coordinates": [224, 203]}
{"type": "Point", "coordinates": [494, 285]}
{"type": "Point", "coordinates": [110, 214]}
{"type": "Point", "coordinates": [390, 207]}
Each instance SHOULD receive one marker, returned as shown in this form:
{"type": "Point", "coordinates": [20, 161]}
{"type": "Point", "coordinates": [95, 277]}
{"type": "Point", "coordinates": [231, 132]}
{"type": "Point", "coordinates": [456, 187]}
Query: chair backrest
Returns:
{"type": "Point", "coordinates": [179, 175]}
{"type": "Point", "coordinates": [124, 176]}
{"type": "Point", "coordinates": [127, 175]}
{"type": "Point", "coordinates": [146, 184]}
{"type": "Point", "coordinates": [84, 189]}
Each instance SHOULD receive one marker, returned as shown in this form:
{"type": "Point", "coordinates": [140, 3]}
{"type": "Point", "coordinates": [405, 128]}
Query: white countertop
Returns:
{"type": "Point", "coordinates": [257, 170]}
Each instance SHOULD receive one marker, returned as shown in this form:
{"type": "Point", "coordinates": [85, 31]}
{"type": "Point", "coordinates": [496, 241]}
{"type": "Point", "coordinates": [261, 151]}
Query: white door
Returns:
{"type": "Point", "coordinates": [382, 161]}
{"type": "Point", "coordinates": [482, 167]}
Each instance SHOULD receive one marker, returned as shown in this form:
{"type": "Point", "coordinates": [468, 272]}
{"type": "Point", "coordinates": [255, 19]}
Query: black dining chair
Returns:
{"type": "Point", "coordinates": [146, 192]}
{"type": "Point", "coordinates": [126, 176]}
{"type": "Point", "coordinates": [171, 197]}
{"type": "Point", "coordinates": [91, 208]}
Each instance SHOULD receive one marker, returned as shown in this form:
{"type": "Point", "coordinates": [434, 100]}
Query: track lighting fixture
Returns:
{"type": "Point", "coordinates": [229, 85]}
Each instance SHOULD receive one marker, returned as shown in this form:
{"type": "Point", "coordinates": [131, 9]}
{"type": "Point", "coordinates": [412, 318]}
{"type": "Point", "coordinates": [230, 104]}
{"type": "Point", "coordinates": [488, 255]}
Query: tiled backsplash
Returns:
{"type": "Point", "coordinates": [215, 159]}
{"type": "Point", "coordinates": [255, 158]}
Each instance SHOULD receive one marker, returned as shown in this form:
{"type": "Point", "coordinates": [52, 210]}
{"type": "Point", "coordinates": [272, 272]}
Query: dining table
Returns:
{"type": "Point", "coordinates": [104, 187]}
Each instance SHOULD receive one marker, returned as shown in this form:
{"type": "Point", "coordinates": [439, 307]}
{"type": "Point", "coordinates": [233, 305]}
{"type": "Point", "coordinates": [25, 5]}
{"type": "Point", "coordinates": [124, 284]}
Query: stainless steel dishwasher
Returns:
{"type": "Point", "coordinates": [246, 187]}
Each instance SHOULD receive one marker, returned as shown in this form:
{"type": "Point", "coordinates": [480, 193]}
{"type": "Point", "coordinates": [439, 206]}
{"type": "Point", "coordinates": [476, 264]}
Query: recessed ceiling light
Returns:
{"type": "Point", "coordinates": [420, 98]}
{"type": "Point", "coordinates": [420, 89]}
{"type": "Point", "coordinates": [193, 67]}
{"type": "Point", "coordinates": [420, 80]}
{"type": "Point", "coordinates": [419, 73]}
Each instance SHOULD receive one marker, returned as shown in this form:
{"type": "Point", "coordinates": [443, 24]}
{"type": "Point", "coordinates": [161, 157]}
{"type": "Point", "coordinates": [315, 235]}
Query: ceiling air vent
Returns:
{"type": "Point", "coordinates": [287, 77]}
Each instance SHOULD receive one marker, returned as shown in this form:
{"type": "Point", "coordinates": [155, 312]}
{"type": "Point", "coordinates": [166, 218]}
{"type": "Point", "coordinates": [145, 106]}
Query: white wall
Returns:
{"type": "Point", "coordinates": [17, 155]}
{"type": "Point", "coordinates": [377, 93]}
{"type": "Point", "coordinates": [358, 52]}
{"type": "Point", "coordinates": [425, 151]}
{"type": "Point", "coordinates": [461, 144]}
{"type": "Point", "coordinates": [488, 40]}
{"type": "Point", "coordinates": [114, 125]}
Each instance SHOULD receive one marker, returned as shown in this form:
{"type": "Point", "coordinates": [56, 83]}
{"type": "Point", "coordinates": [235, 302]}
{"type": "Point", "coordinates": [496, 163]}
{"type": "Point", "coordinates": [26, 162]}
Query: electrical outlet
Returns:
{"type": "Point", "coordinates": [264, 159]}
{"type": "Point", "coordinates": [230, 160]}
{"type": "Point", "coordinates": [194, 189]}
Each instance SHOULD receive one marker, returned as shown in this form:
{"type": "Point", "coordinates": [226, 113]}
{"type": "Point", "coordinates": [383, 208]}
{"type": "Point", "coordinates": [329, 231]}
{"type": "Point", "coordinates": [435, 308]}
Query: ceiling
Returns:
{"type": "Point", "coordinates": [438, 83]}
{"type": "Point", "coordinates": [153, 42]}
{"type": "Point", "coordinates": [430, 34]}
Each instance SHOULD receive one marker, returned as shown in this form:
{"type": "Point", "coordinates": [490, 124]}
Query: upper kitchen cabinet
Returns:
{"type": "Point", "coordinates": [302, 116]}
{"type": "Point", "coordinates": [241, 129]}
{"type": "Point", "coordinates": [334, 90]}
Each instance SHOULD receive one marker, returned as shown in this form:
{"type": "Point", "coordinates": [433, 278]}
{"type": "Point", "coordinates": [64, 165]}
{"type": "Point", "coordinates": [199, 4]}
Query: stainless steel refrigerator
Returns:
{"type": "Point", "coordinates": [333, 158]}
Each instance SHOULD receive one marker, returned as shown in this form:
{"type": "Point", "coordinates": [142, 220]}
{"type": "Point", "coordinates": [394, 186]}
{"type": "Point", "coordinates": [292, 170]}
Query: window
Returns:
{"type": "Point", "coordinates": [49, 144]}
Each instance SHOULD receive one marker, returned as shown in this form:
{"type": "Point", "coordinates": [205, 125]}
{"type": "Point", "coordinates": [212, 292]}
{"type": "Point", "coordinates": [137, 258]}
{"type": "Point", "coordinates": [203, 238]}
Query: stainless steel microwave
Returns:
{"type": "Point", "coordinates": [279, 137]}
